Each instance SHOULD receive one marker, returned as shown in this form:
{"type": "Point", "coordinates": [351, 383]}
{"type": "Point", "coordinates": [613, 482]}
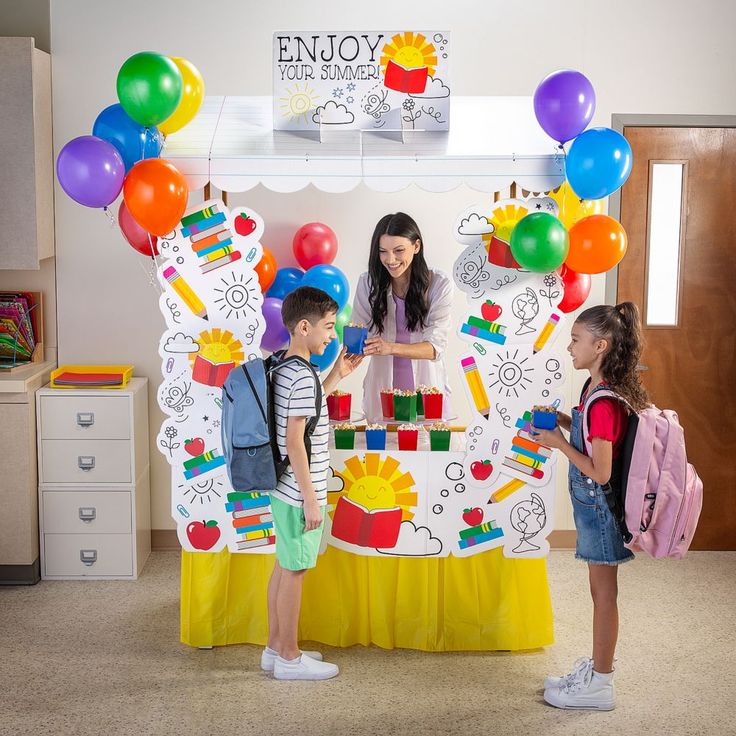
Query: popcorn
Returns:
{"type": "Point", "coordinates": [428, 390]}
{"type": "Point", "coordinates": [408, 428]}
{"type": "Point", "coordinates": [375, 426]}
{"type": "Point", "coordinates": [337, 392]}
{"type": "Point", "coordinates": [438, 427]}
{"type": "Point", "coordinates": [345, 426]}
{"type": "Point", "coordinates": [359, 325]}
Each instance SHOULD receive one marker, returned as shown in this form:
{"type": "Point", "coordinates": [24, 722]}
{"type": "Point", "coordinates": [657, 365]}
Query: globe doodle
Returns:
{"type": "Point", "coordinates": [528, 517]}
{"type": "Point", "coordinates": [525, 308]}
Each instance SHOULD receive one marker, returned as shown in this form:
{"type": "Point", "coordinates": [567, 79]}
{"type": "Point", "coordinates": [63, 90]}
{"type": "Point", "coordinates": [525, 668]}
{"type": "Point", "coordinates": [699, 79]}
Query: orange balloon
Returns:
{"type": "Point", "coordinates": [266, 270]}
{"type": "Point", "coordinates": [597, 244]}
{"type": "Point", "coordinates": [155, 193]}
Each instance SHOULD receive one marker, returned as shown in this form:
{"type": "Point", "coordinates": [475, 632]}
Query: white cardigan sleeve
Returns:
{"type": "Point", "coordinates": [439, 317]}
{"type": "Point", "coordinates": [361, 307]}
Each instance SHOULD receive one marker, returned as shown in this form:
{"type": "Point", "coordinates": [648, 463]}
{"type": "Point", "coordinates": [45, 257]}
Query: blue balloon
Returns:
{"type": "Point", "coordinates": [287, 279]}
{"type": "Point", "coordinates": [599, 162]}
{"type": "Point", "coordinates": [329, 279]}
{"type": "Point", "coordinates": [324, 361]}
{"type": "Point", "coordinates": [133, 141]}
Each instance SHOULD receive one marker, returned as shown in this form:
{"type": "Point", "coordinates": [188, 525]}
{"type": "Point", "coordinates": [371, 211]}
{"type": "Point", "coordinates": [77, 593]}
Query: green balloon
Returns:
{"type": "Point", "coordinates": [149, 87]}
{"type": "Point", "coordinates": [539, 242]}
{"type": "Point", "coordinates": [343, 318]}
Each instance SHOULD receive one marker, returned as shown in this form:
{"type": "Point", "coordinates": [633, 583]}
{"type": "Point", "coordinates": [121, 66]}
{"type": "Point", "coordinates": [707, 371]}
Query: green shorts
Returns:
{"type": "Point", "coordinates": [295, 548]}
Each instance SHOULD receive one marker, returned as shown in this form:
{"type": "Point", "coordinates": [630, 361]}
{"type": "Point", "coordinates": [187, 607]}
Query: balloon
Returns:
{"type": "Point", "coordinates": [192, 94]}
{"type": "Point", "coordinates": [539, 242]}
{"type": "Point", "coordinates": [149, 87]}
{"type": "Point", "coordinates": [155, 194]}
{"type": "Point", "coordinates": [324, 361]}
{"type": "Point", "coordinates": [266, 269]}
{"type": "Point", "coordinates": [90, 171]}
{"type": "Point", "coordinates": [276, 335]}
{"type": "Point", "coordinates": [314, 244]}
{"type": "Point", "coordinates": [133, 141]}
{"type": "Point", "coordinates": [343, 318]}
{"type": "Point", "coordinates": [287, 279]}
{"type": "Point", "coordinates": [597, 244]}
{"type": "Point", "coordinates": [577, 289]}
{"type": "Point", "coordinates": [329, 279]}
{"type": "Point", "coordinates": [599, 162]}
{"type": "Point", "coordinates": [564, 103]}
{"type": "Point", "coordinates": [136, 236]}
{"type": "Point", "coordinates": [572, 207]}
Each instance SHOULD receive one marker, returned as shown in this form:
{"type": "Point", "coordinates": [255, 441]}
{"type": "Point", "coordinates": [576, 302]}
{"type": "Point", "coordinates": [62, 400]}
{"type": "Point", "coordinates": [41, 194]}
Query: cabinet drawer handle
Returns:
{"type": "Point", "coordinates": [88, 556]}
{"type": "Point", "coordinates": [85, 418]}
{"type": "Point", "coordinates": [86, 462]}
{"type": "Point", "coordinates": [88, 514]}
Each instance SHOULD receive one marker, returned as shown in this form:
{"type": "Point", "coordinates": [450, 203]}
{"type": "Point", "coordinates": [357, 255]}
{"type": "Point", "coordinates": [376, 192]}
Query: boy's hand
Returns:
{"type": "Point", "coordinates": [312, 515]}
{"type": "Point", "coordinates": [549, 437]}
{"type": "Point", "coordinates": [346, 364]}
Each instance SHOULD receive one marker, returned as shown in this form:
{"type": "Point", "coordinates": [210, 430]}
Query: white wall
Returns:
{"type": "Point", "coordinates": [658, 56]}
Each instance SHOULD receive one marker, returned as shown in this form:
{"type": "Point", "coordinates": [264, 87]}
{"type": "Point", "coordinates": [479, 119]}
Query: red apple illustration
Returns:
{"type": "Point", "coordinates": [203, 534]}
{"type": "Point", "coordinates": [244, 224]}
{"type": "Point", "coordinates": [490, 310]}
{"type": "Point", "coordinates": [473, 517]}
{"type": "Point", "coordinates": [481, 471]}
{"type": "Point", "coordinates": [194, 446]}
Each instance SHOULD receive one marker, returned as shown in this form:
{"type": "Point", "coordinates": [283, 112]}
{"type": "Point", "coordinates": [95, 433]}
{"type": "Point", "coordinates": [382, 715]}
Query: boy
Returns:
{"type": "Point", "coordinates": [299, 500]}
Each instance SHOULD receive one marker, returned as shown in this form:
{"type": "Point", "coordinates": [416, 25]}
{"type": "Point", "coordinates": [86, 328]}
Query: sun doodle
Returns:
{"type": "Point", "coordinates": [203, 490]}
{"type": "Point", "coordinates": [410, 50]}
{"type": "Point", "coordinates": [510, 375]}
{"type": "Point", "coordinates": [299, 101]}
{"type": "Point", "coordinates": [504, 219]}
{"type": "Point", "coordinates": [218, 347]}
{"type": "Point", "coordinates": [237, 295]}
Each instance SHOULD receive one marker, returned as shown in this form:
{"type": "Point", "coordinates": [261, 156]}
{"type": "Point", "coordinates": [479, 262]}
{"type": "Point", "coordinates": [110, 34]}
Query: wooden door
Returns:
{"type": "Point", "coordinates": [691, 366]}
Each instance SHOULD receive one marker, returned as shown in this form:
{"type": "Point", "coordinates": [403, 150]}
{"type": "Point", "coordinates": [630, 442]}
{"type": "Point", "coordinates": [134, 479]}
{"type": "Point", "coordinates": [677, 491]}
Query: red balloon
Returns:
{"type": "Point", "coordinates": [266, 270]}
{"type": "Point", "coordinates": [577, 289]}
{"type": "Point", "coordinates": [314, 243]}
{"type": "Point", "coordinates": [155, 193]}
{"type": "Point", "coordinates": [136, 236]}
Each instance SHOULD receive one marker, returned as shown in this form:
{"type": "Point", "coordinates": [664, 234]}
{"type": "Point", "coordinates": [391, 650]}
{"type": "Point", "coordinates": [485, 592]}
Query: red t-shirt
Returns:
{"type": "Point", "coordinates": [608, 421]}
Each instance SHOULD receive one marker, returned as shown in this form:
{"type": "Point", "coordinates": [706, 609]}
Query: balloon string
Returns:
{"type": "Point", "coordinates": [110, 216]}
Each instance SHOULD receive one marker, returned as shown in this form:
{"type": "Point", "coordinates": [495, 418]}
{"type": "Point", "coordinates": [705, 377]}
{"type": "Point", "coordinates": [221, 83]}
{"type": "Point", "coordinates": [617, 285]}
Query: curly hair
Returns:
{"type": "Point", "coordinates": [417, 304]}
{"type": "Point", "coordinates": [620, 326]}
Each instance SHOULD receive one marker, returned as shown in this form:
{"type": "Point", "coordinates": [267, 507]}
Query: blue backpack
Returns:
{"type": "Point", "coordinates": [248, 425]}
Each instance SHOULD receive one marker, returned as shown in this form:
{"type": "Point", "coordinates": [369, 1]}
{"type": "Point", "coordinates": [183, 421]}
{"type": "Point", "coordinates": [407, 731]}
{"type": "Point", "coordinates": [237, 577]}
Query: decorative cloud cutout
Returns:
{"type": "Point", "coordinates": [335, 483]}
{"type": "Point", "coordinates": [333, 114]}
{"type": "Point", "coordinates": [414, 542]}
{"type": "Point", "coordinates": [475, 225]}
{"type": "Point", "coordinates": [181, 343]}
{"type": "Point", "coordinates": [434, 90]}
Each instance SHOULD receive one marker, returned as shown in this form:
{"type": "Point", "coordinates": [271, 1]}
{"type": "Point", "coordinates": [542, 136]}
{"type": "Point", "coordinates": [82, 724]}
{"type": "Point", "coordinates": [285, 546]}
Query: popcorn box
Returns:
{"type": "Point", "coordinates": [433, 406]}
{"type": "Point", "coordinates": [439, 440]}
{"type": "Point", "coordinates": [544, 419]}
{"type": "Point", "coordinates": [420, 404]}
{"type": "Point", "coordinates": [387, 404]}
{"type": "Point", "coordinates": [375, 439]}
{"type": "Point", "coordinates": [345, 439]}
{"type": "Point", "coordinates": [353, 338]}
{"type": "Point", "coordinates": [338, 406]}
{"type": "Point", "coordinates": [408, 439]}
{"type": "Point", "coordinates": [405, 408]}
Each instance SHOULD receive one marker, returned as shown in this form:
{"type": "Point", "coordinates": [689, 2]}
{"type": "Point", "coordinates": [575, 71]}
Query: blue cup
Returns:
{"type": "Point", "coordinates": [544, 419]}
{"type": "Point", "coordinates": [353, 338]}
{"type": "Point", "coordinates": [375, 439]}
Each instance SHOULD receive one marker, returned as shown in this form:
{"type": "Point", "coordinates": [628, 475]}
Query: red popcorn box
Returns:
{"type": "Point", "coordinates": [432, 406]}
{"type": "Point", "coordinates": [499, 254]}
{"type": "Point", "coordinates": [408, 439]}
{"type": "Point", "coordinates": [338, 406]}
{"type": "Point", "coordinates": [387, 404]}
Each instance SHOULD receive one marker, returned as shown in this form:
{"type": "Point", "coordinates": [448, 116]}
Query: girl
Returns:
{"type": "Point", "coordinates": [406, 305]}
{"type": "Point", "coordinates": [606, 341]}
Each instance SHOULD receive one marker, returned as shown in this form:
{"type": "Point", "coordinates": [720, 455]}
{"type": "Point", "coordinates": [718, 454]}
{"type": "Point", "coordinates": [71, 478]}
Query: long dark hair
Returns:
{"type": "Point", "coordinates": [417, 304]}
{"type": "Point", "coordinates": [621, 327]}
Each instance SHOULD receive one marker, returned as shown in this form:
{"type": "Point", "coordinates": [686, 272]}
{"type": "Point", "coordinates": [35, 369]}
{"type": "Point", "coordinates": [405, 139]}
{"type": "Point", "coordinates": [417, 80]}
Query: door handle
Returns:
{"type": "Point", "coordinates": [88, 556]}
{"type": "Point", "coordinates": [86, 462]}
{"type": "Point", "coordinates": [85, 419]}
{"type": "Point", "coordinates": [88, 514]}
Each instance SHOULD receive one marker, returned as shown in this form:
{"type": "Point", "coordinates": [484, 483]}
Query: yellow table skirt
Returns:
{"type": "Point", "coordinates": [483, 602]}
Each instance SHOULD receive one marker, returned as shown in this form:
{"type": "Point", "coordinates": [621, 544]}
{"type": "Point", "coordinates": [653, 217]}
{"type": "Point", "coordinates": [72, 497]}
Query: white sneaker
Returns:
{"type": "Point", "coordinates": [304, 668]}
{"type": "Point", "coordinates": [588, 690]}
{"type": "Point", "coordinates": [552, 682]}
{"type": "Point", "coordinates": [268, 658]}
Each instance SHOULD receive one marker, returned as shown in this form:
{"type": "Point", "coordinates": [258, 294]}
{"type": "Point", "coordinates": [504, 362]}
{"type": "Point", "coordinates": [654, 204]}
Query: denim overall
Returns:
{"type": "Point", "coordinates": [599, 541]}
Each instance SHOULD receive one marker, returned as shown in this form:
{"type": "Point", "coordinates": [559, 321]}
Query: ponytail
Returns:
{"type": "Point", "coordinates": [621, 327]}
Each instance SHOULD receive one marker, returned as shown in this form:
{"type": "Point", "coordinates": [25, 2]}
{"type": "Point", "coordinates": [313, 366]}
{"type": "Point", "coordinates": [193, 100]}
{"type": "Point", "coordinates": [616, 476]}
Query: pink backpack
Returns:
{"type": "Point", "coordinates": [654, 493]}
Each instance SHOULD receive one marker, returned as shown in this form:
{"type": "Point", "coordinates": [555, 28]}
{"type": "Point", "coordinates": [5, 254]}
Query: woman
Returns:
{"type": "Point", "coordinates": [407, 307]}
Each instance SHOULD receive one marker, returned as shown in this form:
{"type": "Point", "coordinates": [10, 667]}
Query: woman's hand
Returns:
{"type": "Point", "coordinates": [378, 346]}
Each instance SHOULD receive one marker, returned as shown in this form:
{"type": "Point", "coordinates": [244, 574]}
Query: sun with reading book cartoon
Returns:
{"type": "Point", "coordinates": [219, 352]}
{"type": "Point", "coordinates": [407, 61]}
{"type": "Point", "coordinates": [376, 497]}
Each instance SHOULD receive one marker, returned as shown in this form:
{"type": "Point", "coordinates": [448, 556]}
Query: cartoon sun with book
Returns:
{"type": "Point", "coordinates": [376, 497]}
{"type": "Point", "coordinates": [505, 218]}
{"type": "Point", "coordinates": [407, 61]}
{"type": "Point", "coordinates": [219, 352]}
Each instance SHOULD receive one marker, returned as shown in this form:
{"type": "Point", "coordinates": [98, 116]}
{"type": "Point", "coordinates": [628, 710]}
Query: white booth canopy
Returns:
{"type": "Point", "coordinates": [492, 143]}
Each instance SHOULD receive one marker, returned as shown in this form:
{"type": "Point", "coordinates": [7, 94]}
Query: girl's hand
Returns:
{"type": "Point", "coordinates": [549, 437]}
{"type": "Point", "coordinates": [346, 364]}
{"type": "Point", "coordinates": [378, 346]}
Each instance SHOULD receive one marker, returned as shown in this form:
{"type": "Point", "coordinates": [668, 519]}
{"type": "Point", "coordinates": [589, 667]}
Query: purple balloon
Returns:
{"type": "Point", "coordinates": [90, 171]}
{"type": "Point", "coordinates": [564, 103]}
{"type": "Point", "coordinates": [276, 335]}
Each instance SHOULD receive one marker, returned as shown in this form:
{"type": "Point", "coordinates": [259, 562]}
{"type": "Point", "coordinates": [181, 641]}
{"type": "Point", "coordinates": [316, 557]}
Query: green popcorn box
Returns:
{"type": "Point", "coordinates": [439, 439]}
{"type": "Point", "coordinates": [405, 408]}
{"type": "Point", "coordinates": [344, 438]}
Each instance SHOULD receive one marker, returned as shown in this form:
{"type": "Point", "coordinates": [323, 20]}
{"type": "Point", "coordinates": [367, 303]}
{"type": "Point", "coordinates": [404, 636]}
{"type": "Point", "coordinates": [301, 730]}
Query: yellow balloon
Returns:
{"type": "Point", "coordinates": [192, 95]}
{"type": "Point", "coordinates": [572, 208]}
